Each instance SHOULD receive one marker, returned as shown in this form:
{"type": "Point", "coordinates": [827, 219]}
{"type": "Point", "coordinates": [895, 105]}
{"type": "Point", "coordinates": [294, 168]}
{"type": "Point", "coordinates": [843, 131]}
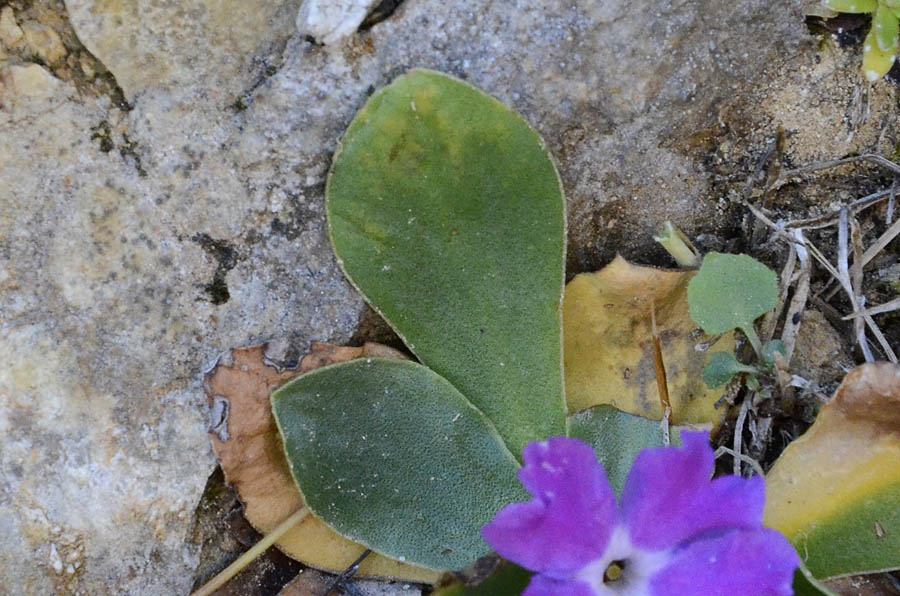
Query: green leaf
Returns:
{"type": "Point", "coordinates": [721, 368]}
{"type": "Point", "coordinates": [853, 6]}
{"type": "Point", "coordinates": [390, 455]}
{"type": "Point", "coordinates": [770, 348]}
{"type": "Point", "coordinates": [886, 28]}
{"type": "Point", "coordinates": [616, 437]}
{"type": "Point", "coordinates": [507, 580]}
{"type": "Point", "coordinates": [807, 585]}
{"type": "Point", "coordinates": [730, 292]}
{"type": "Point", "coordinates": [447, 213]}
{"type": "Point", "coordinates": [876, 62]}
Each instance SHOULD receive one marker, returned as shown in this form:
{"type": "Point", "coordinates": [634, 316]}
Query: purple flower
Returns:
{"type": "Point", "coordinates": [676, 532]}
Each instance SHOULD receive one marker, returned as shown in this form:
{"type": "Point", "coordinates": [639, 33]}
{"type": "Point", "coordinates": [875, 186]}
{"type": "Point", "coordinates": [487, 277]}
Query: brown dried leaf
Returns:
{"type": "Point", "coordinates": [246, 442]}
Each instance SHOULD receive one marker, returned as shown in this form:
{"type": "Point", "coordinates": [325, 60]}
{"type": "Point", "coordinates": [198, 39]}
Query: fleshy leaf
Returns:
{"type": "Point", "coordinates": [392, 456]}
{"type": "Point", "coordinates": [447, 213]}
{"type": "Point", "coordinates": [852, 6]}
{"type": "Point", "coordinates": [248, 447]}
{"type": "Point", "coordinates": [730, 292]}
{"type": "Point", "coordinates": [835, 491]}
{"type": "Point", "coordinates": [807, 585]}
{"type": "Point", "coordinates": [876, 63]}
{"type": "Point", "coordinates": [617, 438]}
{"type": "Point", "coordinates": [721, 368]}
{"type": "Point", "coordinates": [609, 354]}
{"type": "Point", "coordinates": [886, 28]}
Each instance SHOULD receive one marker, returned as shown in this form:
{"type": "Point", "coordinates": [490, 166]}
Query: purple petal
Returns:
{"type": "Point", "coordinates": [570, 520]}
{"type": "Point", "coordinates": [541, 585]}
{"type": "Point", "coordinates": [731, 564]}
{"type": "Point", "coordinates": [668, 498]}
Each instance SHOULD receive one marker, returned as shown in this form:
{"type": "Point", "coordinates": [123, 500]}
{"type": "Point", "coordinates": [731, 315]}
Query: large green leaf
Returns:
{"type": "Point", "coordinates": [617, 438]}
{"type": "Point", "coordinates": [446, 212]}
{"type": "Point", "coordinates": [392, 456]}
{"type": "Point", "coordinates": [807, 585]}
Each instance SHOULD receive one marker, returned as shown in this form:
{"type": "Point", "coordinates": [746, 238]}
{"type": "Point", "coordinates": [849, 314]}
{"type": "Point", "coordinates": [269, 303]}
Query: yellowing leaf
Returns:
{"type": "Point", "coordinates": [609, 356]}
{"type": "Point", "coordinates": [835, 491]}
{"type": "Point", "coordinates": [250, 451]}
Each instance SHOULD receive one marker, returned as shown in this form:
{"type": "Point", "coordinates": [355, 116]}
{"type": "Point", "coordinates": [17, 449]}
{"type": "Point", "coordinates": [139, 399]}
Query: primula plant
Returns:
{"type": "Point", "coordinates": [446, 211]}
{"type": "Point", "coordinates": [676, 532]}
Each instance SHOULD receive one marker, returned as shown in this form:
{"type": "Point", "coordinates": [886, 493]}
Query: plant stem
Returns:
{"type": "Point", "coordinates": [753, 338]}
{"type": "Point", "coordinates": [251, 555]}
{"type": "Point", "coordinates": [678, 245]}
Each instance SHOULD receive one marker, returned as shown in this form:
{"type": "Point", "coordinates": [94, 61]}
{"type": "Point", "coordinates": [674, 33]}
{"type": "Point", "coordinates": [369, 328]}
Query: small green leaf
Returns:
{"type": "Point", "coordinates": [616, 437]}
{"type": "Point", "coordinates": [730, 292]}
{"type": "Point", "coordinates": [390, 455]}
{"type": "Point", "coordinates": [507, 580]}
{"type": "Point", "coordinates": [721, 368]}
{"type": "Point", "coordinates": [770, 348]}
{"type": "Point", "coordinates": [446, 211]}
{"type": "Point", "coordinates": [752, 382]}
{"type": "Point", "coordinates": [876, 63]}
{"type": "Point", "coordinates": [886, 28]}
{"type": "Point", "coordinates": [853, 6]}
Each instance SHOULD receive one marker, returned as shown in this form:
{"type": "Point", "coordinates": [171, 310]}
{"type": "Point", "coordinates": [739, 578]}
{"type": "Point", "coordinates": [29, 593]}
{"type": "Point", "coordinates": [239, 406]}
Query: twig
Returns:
{"type": "Point", "coordinates": [824, 165]}
{"type": "Point", "coordinates": [251, 555]}
{"type": "Point", "coordinates": [794, 318]}
{"type": "Point", "coordinates": [888, 306]}
{"type": "Point", "coordinates": [847, 282]}
{"type": "Point", "coordinates": [741, 457]}
{"type": "Point", "coordinates": [739, 433]}
{"type": "Point", "coordinates": [349, 572]}
{"type": "Point", "coordinates": [817, 254]}
{"type": "Point", "coordinates": [890, 205]}
{"type": "Point", "coordinates": [882, 242]}
{"type": "Point", "coordinates": [770, 320]}
{"type": "Point", "coordinates": [823, 221]}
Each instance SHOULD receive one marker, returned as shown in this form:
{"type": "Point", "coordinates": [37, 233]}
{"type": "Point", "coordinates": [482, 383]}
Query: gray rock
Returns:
{"type": "Point", "coordinates": [137, 244]}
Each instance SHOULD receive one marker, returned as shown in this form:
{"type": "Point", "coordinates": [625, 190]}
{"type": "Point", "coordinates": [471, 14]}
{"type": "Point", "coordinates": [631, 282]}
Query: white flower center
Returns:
{"type": "Point", "coordinates": [630, 568]}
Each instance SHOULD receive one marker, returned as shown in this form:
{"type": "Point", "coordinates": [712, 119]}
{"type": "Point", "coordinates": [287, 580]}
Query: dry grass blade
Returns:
{"type": "Point", "coordinates": [817, 254]}
{"type": "Point", "coordinates": [847, 283]}
{"type": "Point", "coordinates": [829, 219]}
{"type": "Point", "coordinates": [794, 318]}
{"type": "Point", "coordinates": [824, 165]}
{"type": "Point", "coordinates": [889, 306]}
{"type": "Point", "coordinates": [882, 242]}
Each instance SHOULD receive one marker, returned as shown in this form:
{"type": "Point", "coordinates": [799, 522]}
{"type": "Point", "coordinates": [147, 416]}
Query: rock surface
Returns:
{"type": "Point", "coordinates": [161, 200]}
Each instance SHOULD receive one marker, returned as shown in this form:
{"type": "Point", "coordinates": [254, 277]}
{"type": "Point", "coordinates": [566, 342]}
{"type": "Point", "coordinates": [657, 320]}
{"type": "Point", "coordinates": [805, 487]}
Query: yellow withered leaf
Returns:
{"type": "Point", "coordinates": [609, 352]}
{"type": "Point", "coordinates": [835, 491]}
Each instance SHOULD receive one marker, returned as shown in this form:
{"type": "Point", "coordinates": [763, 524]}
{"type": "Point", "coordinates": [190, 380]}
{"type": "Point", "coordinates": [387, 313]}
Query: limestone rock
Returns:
{"type": "Point", "coordinates": [147, 229]}
{"type": "Point", "coordinates": [10, 32]}
{"type": "Point", "coordinates": [329, 21]}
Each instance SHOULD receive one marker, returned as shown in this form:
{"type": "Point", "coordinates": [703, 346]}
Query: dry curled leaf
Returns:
{"type": "Point", "coordinates": [246, 442]}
